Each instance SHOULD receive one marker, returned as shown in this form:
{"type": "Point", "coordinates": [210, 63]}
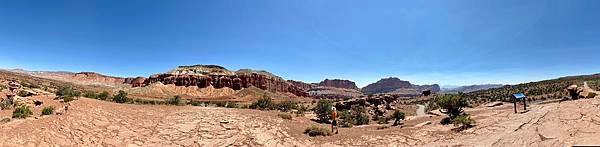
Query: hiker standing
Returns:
{"type": "Point", "coordinates": [334, 122]}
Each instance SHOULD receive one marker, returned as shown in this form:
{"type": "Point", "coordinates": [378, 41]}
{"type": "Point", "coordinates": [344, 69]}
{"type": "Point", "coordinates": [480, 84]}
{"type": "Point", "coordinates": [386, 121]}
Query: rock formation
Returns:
{"type": "Point", "coordinates": [337, 83]}
{"type": "Point", "coordinates": [219, 77]}
{"type": "Point", "coordinates": [395, 85]}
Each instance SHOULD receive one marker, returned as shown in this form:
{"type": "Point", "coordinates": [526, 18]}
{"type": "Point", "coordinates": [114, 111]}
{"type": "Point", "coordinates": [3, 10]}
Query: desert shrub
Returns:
{"type": "Point", "coordinates": [381, 127]}
{"type": "Point", "coordinates": [176, 100]}
{"type": "Point", "coordinates": [90, 94]}
{"type": "Point", "coordinates": [22, 112]}
{"type": "Point", "coordinates": [398, 116]}
{"type": "Point", "coordinates": [48, 110]}
{"type": "Point", "coordinates": [464, 121]}
{"type": "Point", "coordinates": [359, 115]}
{"type": "Point", "coordinates": [219, 103]}
{"type": "Point", "coordinates": [301, 110]}
{"type": "Point", "coordinates": [244, 106]}
{"type": "Point", "coordinates": [383, 120]}
{"type": "Point", "coordinates": [323, 110]}
{"type": "Point", "coordinates": [232, 105]}
{"type": "Point", "coordinates": [120, 97]}
{"type": "Point", "coordinates": [591, 95]}
{"type": "Point", "coordinates": [264, 103]}
{"type": "Point", "coordinates": [23, 93]}
{"type": "Point", "coordinates": [316, 131]}
{"type": "Point", "coordinates": [196, 103]}
{"type": "Point", "coordinates": [451, 104]}
{"type": "Point", "coordinates": [67, 92]}
{"type": "Point", "coordinates": [346, 119]}
{"type": "Point", "coordinates": [68, 99]}
{"type": "Point", "coordinates": [287, 106]}
{"type": "Point", "coordinates": [285, 116]}
{"type": "Point", "coordinates": [5, 120]}
{"type": "Point", "coordinates": [29, 85]}
{"type": "Point", "coordinates": [102, 96]}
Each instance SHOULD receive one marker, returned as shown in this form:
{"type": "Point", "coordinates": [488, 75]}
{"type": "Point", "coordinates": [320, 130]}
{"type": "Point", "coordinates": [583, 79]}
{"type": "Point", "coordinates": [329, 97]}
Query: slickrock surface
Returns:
{"type": "Point", "coordinates": [97, 123]}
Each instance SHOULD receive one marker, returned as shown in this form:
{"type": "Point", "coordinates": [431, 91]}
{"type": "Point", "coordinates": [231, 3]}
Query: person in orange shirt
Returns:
{"type": "Point", "coordinates": [334, 122]}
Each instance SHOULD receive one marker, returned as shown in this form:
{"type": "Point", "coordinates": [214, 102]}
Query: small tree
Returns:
{"type": "Point", "coordinates": [301, 110]}
{"type": "Point", "coordinates": [398, 115]}
{"type": "Point", "coordinates": [90, 94]}
{"type": "Point", "coordinates": [323, 110]}
{"type": "Point", "coordinates": [121, 97]}
{"type": "Point", "coordinates": [346, 119]}
{"type": "Point", "coordinates": [359, 115]}
{"type": "Point", "coordinates": [263, 103]}
{"type": "Point", "coordinates": [451, 104]}
{"type": "Point", "coordinates": [286, 106]}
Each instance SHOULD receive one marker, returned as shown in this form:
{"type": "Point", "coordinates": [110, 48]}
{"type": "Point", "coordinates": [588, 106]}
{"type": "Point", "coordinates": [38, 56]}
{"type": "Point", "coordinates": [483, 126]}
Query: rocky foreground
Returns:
{"type": "Point", "coordinates": [91, 122]}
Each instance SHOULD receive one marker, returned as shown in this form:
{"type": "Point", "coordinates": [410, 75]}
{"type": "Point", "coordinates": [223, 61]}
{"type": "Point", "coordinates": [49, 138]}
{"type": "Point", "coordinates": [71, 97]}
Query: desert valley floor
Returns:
{"type": "Point", "coordinates": [90, 122]}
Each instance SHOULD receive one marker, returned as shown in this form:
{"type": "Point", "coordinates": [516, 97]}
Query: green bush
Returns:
{"type": "Point", "coordinates": [121, 97]}
{"type": "Point", "coordinates": [323, 110]}
{"type": "Point", "coordinates": [301, 110]}
{"type": "Point", "coordinates": [232, 105]}
{"type": "Point", "coordinates": [67, 92]}
{"type": "Point", "coordinates": [346, 119]}
{"type": "Point", "coordinates": [102, 96]}
{"type": "Point", "coordinates": [196, 103]}
{"type": "Point", "coordinates": [359, 115]}
{"type": "Point", "coordinates": [451, 104]}
{"type": "Point", "coordinates": [176, 100]}
{"type": "Point", "coordinates": [464, 121]}
{"type": "Point", "coordinates": [316, 131]}
{"type": "Point", "coordinates": [287, 106]}
{"type": "Point", "coordinates": [383, 120]}
{"type": "Point", "coordinates": [263, 103]}
{"type": "Point", "coordinates": [68, 99]}
{"type": "Point", "coordinates": [398, 116]}
{"type": "Point", "coordinates": [90, 94]}
{"type": "Point", "coordinates": [285, 116]}
{"type": "Point", "coordinates": [48, 110]}
{"type": "Point", "coordinates": [22, 112]}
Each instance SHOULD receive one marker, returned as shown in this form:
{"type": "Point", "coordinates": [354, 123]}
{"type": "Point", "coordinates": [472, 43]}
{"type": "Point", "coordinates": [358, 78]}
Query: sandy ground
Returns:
{"type": "Point", "coordinates": [91, 122]}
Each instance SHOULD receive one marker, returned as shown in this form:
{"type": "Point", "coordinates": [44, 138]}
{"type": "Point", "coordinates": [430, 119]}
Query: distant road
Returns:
{"type": "Point", "coordinates": [420, 110]}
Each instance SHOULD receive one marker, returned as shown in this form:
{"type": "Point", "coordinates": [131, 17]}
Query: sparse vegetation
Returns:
{"type": "Point", "coordinates": [102, 96]}
{"type": "Point", "coordinates": [67, 92]}
{"type": "Point", "coordinates": [120, 97]}
{"type": "Point", "coordinates": [176, 100]}
{"type": "Point", "coordinates": [48, 110]}
{"type": "Point", "coordinates": [287, 106]}
{"type": "Point", "coordinates": [464, 121]}
{"type": "Point", "coordinates": [323, 110]}
{"type": "Point", "coordinates": [68, 99]}
{"type": "Point", "coordinates": [22, 112]}
{"type": "Point", "coordinates": [90, 94]}
{"type": "Point", "coordinates": [398, 116]}
{"type": "Point", "coordinates": [264, 103]}
{"type": "Point", "coordinates": [317, 131]}
{"type": "Point", "coordinates": [451, 104]}
{"type": "Point", "coordinates": [591, 95]}
{"type": "Point", "coordinates": [301, 110]}
{"type": "Point", "coordinates": [346, 119]}
{"type": "Point", "coordinates": [359, 115]}
{"type": "Point", "coordinates": [285, 115]}
{"type": "Point", "coordinates": [381, 127]}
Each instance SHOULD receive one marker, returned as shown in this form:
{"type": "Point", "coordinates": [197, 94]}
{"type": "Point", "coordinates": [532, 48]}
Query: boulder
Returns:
{"type": "Point", "coordinates": [494, 104]}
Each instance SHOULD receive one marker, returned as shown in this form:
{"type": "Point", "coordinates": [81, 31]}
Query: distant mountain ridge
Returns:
{"type": "Point", "coordinates": [397, 86]}
{"type": "Point", "coordinates": [470, 88]}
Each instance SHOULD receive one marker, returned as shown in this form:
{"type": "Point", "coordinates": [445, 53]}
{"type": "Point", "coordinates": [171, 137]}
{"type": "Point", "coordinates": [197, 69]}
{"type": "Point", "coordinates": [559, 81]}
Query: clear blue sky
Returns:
{"type": "Point", "coordinates": [426, 42]}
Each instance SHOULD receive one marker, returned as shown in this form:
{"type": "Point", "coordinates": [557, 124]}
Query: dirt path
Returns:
{"type": "Point", "coordinates": [420, 110]}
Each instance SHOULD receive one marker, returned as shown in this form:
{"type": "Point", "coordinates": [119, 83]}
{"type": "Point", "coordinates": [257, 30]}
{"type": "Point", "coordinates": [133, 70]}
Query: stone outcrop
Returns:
{"type": "Point", "coordinates": [136, 82]}
{"type": "Point", "coordinates": [337, 83]}
{"type": "Point", "coordinates": [219, 77]}
{"type": "Point", "coordinates": [395, 85]}
{"type": "Point", "coordinates": [302, 85]}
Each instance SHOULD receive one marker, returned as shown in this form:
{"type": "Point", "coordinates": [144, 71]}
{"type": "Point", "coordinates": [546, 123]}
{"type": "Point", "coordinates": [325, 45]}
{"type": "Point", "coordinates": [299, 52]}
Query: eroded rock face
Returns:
{"type": "Point", "coordinates": [136, 82]}
{"type": "Point", "coordinates": [203, 77]}
{"type": "Point", "coordinates": [302, 85]}
{"type": "Point", "coordinates": [337, 83]}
